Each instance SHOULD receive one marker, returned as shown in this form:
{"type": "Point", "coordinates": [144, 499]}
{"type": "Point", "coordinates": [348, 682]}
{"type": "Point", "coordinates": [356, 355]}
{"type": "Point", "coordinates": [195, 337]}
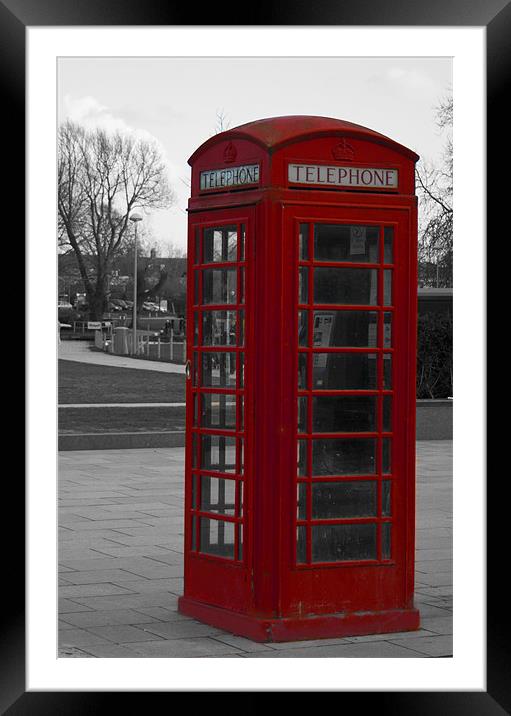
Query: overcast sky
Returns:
{"type": "Point", "coordinates": [177, 100]}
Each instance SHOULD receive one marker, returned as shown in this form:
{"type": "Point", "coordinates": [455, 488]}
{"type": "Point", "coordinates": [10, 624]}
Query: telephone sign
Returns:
{"type": "Point", "coordinates": [343, 176]}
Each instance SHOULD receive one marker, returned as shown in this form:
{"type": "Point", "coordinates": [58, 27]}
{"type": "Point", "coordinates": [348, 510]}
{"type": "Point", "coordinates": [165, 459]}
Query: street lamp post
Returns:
{"type": "Point", "coordinates": [135, 218]}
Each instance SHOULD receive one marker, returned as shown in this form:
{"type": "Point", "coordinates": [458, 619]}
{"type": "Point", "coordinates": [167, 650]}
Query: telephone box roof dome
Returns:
{"type": "Point", "coordinates": [273, 133]}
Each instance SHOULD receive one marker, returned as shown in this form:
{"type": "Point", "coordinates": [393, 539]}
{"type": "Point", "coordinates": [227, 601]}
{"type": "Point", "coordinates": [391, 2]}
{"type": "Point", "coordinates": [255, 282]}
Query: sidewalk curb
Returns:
{"type": "Point", "coordinates": [434, 422]}
{"type": "Point", "coordinates": [121, 441]}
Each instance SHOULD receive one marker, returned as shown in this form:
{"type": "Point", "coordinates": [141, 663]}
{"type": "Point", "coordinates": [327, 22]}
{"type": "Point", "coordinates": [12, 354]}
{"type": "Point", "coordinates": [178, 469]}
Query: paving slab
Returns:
{"type": "Point", "coordinates": [108, 651]}
{"type": "Point", "coordinates": [79, 638]}
{"type": "Point", "coordinates": [369, 650]}
{"type": "Point", "coordinates": [72, 652]}
{"type": "Point", "coordinates": [121, 562]}
{"type": "Point", "coordinates": [183, 648]}
{"type": "Point", "coordinates": [428, 645]}
{"type": "Point", "coordinates": [124, 633]}
{"type": "Point", "coordinates": [100, 576]}
{"type": "Point", "coordinates": [93, 590]}
{"type": "Point", "coordinates": [109, 617]}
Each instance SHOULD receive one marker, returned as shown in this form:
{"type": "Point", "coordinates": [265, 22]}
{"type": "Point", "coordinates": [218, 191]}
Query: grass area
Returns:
{"type": "Point", "coordinates": [86, 383]}
{"type": "Point", "coordinates": [119, 419]}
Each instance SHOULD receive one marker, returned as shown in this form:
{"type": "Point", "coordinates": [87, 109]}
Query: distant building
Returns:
{"type": "Point", "coordinates": [435, 300]}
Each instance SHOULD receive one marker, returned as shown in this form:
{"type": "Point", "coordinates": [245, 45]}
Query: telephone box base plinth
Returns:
{"type": "Point", "coordinates": [314, 626]}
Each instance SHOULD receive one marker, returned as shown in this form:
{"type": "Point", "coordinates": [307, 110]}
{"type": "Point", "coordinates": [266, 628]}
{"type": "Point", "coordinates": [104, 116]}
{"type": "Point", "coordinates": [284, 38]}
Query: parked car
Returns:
{"type": "Point", "coordinates": [150, 306]}
{"type": "Point", "coordinates": [122, 303]}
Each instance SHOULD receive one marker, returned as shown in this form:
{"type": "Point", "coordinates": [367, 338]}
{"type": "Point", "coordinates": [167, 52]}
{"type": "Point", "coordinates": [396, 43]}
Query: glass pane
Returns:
{"type": "Point", "coordinates": [350, 329]}
{"type": "Point", "coordinates": [241, 411]}
{"type": "Point", "coordinates": [339, 543]}
{"type": "Point", "coordinates": [302, 371]}
{"type": "Point", "coordinates": [241, 337]}
{"type": "Point", "coordinates": [387, 288]}
{"type": "Point", "coordinates": [344, 371]}
{"type": "Point", "coordinates": [345, 286]}
{"type": "Point", "coordinates": [301, 511]}
{"type": "Point", "coordinates": [301, 457]}
{"type": "Point", "coordinates": [355, 244]}
{"type": "Point", "coordinates": [242, 243]}
{"type": "Point", "coordinates": [195, 442]}
{"type": "Point", "coordinates": [387, 330]}
{"type": "Point", "coordinates": [220, 244]}
{"type": "Point", "coordinates": [217, 537]}
{"type": "Point", "coordinates": [196, 279]}
{"type": "Point", "coordinates": [219, 286]}
{"type": "Point", "coordinates": [241, 466]}
{"type": "Point", "coordinates": [386, 545]}
{"type": "Point", "coordinates": [344, 456]}
{"type": "Point", "coordinates": [344, 414]}
{"type": "Point", "coordinates": [344, 499]}
{"type": "Point", "coordinates": [242, 285]}
{"type": "Point", "coordinates": [194, 533]}
{"type": "Point", "coordinates": [195, 368]}
{"type": "Point", "coordinates": [218, 410]}
{"type": "Point", "coordinates": [219, 369]}
{"type": "Point", "coordinates": [386, 456]}
{"type": "Point", "coordinates": [219, 328]}
{"type": "Point", "coordinates": [240, 542]}
{"type": "Point", "coordinates": [195, 491]}
{"type": "Point", "coordinates": [386, 498]}
{"type": "Point", "coordinates": [241, 369]}
{"type": "Point", "coordinates": [388, 245]}
{"type": "Point", "coordinates": [239, 504]}
{"type": "Point", "coordinates": [303, 243]}
{"type": "Point", "coordinates": [387, 414]}
{"type": "Point", "coordinates": [302, 415]}
{"type": "Point", "coordinates": [301, 544]}
{"type": "Point", "coordinates": [387, 371]}
{"type": "Point", "coordinates": [195, 409]}
{"type": "Point", "coordinates": [302, 327]}
{"type": "Point", "coordinates": [195, 329]}
{"type": "Point", "coordinates": [218, 453]}
{"type": "Point", "coordinates": [218, 495]}
{"type": "Point", "coordinates": [303, 285]}
{"type": "Point", "coordinates": [196, 257]}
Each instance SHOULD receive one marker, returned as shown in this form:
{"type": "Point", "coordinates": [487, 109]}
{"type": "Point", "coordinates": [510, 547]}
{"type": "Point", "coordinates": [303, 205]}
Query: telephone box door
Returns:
{"type": "Point", "coordinates": [351, 453]}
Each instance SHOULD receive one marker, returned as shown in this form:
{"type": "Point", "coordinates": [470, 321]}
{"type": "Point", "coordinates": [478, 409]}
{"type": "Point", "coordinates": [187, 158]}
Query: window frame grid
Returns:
{"type": "Point", "coordinates": [198, 390]}
{"type": "Point", "coordinates": [379, 351]}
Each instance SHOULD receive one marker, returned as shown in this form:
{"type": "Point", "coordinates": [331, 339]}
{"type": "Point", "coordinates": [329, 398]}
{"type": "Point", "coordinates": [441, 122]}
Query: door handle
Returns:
{"type": "Point", "coordinates": [188, 369]}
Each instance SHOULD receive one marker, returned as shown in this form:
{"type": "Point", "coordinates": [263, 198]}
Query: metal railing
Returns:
{"type": "Point", "coordinates": [150, 345]}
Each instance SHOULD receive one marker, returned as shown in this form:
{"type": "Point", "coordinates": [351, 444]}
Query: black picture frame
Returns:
{"type": "Point", "coordinates": [15, 17]}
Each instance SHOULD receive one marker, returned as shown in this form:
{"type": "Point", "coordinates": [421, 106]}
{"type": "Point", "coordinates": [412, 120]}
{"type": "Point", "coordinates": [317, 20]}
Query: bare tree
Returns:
{"type": "Point", "coordinates": [435, 189]}
{"type": "Point", "coordinates": [223, 123]}
{"type": "Point", "coordinates": [102, 177]}
{"type": "Point", "coordinates": [174, 251]}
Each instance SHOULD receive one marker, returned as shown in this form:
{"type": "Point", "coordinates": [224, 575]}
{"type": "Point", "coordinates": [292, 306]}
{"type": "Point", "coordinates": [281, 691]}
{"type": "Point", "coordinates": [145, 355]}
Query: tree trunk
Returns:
{"type": "Point", "coordinates": [97, 301]}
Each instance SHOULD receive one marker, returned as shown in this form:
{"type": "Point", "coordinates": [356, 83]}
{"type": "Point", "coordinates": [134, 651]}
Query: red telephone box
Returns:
{"type": "Point", "coordinates": [300, 455]}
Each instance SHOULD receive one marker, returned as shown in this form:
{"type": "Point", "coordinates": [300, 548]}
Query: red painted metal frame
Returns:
{"type": "Point", "coordinates": [267, 595]}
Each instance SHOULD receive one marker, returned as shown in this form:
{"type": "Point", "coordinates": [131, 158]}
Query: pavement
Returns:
{"type": "Point", "coordinates": [82, 352]}
{"type": "Point", "coordinates": [121, 564]}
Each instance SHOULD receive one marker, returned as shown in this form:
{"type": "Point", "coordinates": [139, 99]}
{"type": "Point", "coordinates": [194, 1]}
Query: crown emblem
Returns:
{"type": "Point", "coordinates": [230, 153]}
{"type": "Point", "coordinates": [343, 151]}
